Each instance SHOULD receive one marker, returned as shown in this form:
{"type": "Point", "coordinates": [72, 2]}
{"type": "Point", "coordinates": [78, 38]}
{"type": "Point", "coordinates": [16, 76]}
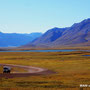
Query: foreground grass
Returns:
{"type": "Point", "coordinates": [72, 69]}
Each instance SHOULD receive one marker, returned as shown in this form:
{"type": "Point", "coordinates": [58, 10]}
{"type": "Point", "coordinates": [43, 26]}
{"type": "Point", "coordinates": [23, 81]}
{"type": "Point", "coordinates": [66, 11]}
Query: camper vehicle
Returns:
{"type": "Point", "coordinates": [6, 69]}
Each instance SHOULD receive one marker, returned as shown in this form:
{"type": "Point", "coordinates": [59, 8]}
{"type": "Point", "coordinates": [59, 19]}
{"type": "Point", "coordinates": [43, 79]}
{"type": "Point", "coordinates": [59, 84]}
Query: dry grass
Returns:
{"type": "Point", "coordinates": [72, 69]}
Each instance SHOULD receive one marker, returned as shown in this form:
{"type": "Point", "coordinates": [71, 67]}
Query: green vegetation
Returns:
{"type": "Point", "coordinates": [72, 69]}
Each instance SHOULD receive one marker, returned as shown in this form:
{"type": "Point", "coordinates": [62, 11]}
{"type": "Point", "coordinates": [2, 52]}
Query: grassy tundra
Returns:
{"type": "Point", "coordinates": [72, 69]}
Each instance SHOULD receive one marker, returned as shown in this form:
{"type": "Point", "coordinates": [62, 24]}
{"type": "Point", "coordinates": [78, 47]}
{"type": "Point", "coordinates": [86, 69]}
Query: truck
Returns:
{"type": "Point", "coordinates": [6, 69]}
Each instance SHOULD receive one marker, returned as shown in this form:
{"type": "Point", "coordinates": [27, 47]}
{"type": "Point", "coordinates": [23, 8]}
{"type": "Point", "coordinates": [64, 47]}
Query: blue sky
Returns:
{"type": "Point", "coordinates": [26, 16]}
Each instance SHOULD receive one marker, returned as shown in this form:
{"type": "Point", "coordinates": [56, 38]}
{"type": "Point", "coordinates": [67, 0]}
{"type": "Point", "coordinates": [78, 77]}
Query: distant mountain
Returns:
{"type": "Point", "coordinates": [77, 34]}
{"type": "Point", "coordinates": [16, 39]}
{"type": "Point", "coordinates": [48, 37]}
{"type": "Point", "coordinates": [35, 35]}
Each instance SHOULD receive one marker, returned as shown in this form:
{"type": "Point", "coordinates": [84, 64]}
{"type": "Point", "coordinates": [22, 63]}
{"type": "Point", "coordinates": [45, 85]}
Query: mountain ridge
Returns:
{"type": "Point", "coordinates": [78, 33]}
{"type": "Point", "coordinates": [16, 39]}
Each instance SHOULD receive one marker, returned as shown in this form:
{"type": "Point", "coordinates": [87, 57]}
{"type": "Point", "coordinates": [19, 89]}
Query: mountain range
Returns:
{"type": "Point", "coordinates": [16, 39]}
{"type": "Point", "coordinates": [76, 35]}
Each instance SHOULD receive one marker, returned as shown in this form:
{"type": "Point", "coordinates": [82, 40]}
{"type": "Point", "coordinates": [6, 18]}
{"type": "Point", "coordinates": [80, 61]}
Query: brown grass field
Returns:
{"type": "Point", "coordinates": [80, 47]}
{"type": "Point", "coordinates": [72, 69]}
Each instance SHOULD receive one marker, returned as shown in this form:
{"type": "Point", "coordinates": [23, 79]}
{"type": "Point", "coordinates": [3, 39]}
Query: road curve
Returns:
{"type": "Point", "coordinates": [31, 71]}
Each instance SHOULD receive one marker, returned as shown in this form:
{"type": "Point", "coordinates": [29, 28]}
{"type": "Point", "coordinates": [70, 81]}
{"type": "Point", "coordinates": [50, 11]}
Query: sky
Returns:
{"type": "Point", "coordinates": [27, 16]}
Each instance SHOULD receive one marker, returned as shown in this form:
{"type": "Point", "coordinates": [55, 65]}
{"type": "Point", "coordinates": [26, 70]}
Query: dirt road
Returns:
{"type": "Point", "coordinates": [31, 71]}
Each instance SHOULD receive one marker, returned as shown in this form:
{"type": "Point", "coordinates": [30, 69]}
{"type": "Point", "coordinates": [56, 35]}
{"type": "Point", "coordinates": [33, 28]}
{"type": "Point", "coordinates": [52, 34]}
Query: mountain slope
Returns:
{"type": "Point", "coordinates": [47, 38]}
{"type": "Point", "coordinates": [77, 34]}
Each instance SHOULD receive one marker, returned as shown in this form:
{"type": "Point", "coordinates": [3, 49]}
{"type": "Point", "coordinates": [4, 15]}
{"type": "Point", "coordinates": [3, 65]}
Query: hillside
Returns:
{"type": "Point", "coordinates": [76, 35]}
